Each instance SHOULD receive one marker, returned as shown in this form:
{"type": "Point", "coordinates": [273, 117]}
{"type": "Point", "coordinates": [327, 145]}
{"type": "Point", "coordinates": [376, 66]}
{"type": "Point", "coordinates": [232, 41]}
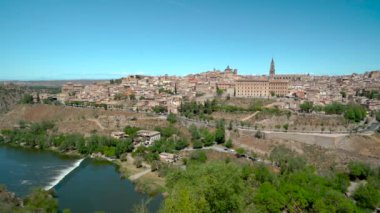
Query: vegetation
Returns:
{"type": "Point", "coordinates": [306, 106]}
{"type": "Point", "coordinates": [131, 131]}
{"type": "Point", "coordinates": [352, 112]}
{"type": "Point", "coordinates": [43, 136]}
{"type": "Point", "coordinates": [27, 99]}
{"type": "Point", "coordinates": [172, 118]}
{"type": "Point", "coordinates": [193, 109]}
{"type": "Point", "coordinates": [373, 94]}
{"type": "Point", "coordinates": [355, 113]}
{"type": "Point", "coordinates": [225, 186]}
{"type": "Point", "coordinates": [86, 104]}
{"type": "Point", "coordinates": [378, 116]}
{"type": "Point", "coordinates": [41, 201]}
{"type": "Point", "coordinates": [160, 109]}
{"type": "Point", "coordinates": [228, 143]}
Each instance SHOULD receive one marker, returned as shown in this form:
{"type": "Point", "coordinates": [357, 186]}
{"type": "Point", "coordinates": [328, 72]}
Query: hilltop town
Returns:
{"type": "Point", "coordinates": [165, 93]}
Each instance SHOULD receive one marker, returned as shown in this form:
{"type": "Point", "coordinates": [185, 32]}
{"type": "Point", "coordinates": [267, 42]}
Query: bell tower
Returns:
{"type": "Point", "coordinates": [272, 70]}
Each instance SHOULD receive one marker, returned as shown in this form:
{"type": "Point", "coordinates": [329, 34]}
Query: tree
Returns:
{"type": "Point", "coordinates": [344, 94]}
{"type": "Point", "coordinates": [240, 151]}
{"type": "Point", "coordinates": [210, 187]}
{"type": "Point", "coordinates": [334, 108]}
{"type": "Point", "coordinates": [208, 137]}
{"type": "Point", "coordinates": [41, 201]}
{"type": "Point", "coordinates": [358, 170]}
{"type": "Point", "coordinates": [378, 116]}
{"type": "Point", "coordinates": [220, 132]}
{"type": "Point", "coordinates": [228, 144]}
{"type": "Point", "coordinates": [285, 126]}
{"type": "Point", "coordinates": [355, 112]}
{"type": "Point", "coordinates": [132, 97]}
{"type": "Point", "coordinates": [27, 99]}
{"type": "Point", "coordinates": [230, 126]}
{"type": "Point", "coordinates": [198, 156]}
{"type": "Point", "coordinates": [306, 106]}
{"type": "Point", "coordinates": [268, 199]}
{"type": "Point", "coordinates": [195, 135]}
{"type": "Point", "coordinates": [367, 196]}
{"type": "Point", "coordinates": [181, 144]}
{"type": "Point", "coordinates": [131, 131]}
{"type": "Point", "coordinates": [138, 162]}
{"type": "Point", "coordinates": [172, 118]}
{"type": "Point", "coordinates": [219, 91]}
{"type": "Point", "coordinates": [197, 144]}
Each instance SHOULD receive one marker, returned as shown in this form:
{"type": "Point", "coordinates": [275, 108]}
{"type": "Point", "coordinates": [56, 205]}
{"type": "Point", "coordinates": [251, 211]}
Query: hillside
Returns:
{"type": "Point", "coordinates": [81, 120]}
{"type": "Point", "coordinates": [10, 95]}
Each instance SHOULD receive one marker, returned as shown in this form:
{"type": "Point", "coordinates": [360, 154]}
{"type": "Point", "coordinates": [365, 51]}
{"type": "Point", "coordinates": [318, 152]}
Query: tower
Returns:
{"type": "Point", "coordinates": [272, 70]}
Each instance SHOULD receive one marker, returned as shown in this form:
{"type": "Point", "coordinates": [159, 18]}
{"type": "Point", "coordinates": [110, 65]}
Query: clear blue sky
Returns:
{"type": "Point", "coordinates": [93, 39]}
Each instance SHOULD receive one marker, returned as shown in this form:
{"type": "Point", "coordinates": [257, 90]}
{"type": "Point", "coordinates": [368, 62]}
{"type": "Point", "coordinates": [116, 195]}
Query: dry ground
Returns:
{"type": "Point", "coordinates": [85, 121]}
{"type": "Point", "coordinates": [354, 147]}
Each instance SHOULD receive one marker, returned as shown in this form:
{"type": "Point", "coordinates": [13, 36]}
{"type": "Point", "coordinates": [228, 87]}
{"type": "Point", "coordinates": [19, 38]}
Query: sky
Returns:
{"type": "Point", "coordinates": [107, 39]}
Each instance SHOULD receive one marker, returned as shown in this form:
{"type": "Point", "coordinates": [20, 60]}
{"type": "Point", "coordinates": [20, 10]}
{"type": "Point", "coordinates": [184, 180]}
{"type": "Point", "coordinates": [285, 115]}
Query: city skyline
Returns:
{"type": "Point", "coordinates": [54, 39]}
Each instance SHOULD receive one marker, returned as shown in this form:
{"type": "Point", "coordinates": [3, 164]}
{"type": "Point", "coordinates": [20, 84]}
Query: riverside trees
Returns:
{"type": "Point", "coordinates": [43, 136]}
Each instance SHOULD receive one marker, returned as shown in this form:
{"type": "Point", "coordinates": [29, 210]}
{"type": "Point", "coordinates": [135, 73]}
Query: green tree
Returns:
{"type": "Point", "coordinates": [228, 144]}
{"type": "Point", "coordinates": [306, 106]}
{"type": "Point", "coordinates": [27, 99]}
{"type": "Point", "coordinates": [198, 156]}
{"type": "Point", "coordinates": [172, 118]}
{"type": "Point", "coordinates": [367, 196]}
{"type": "Point", "coordinates": [41, 201]}
{"type": "Point", "coordinates": [211, 187]}
{"type": "Point", "coordinates": [285, 126]}
{"type": "Point", "coordinates": [268, 199]}
{"type": "Point", "coordinates": [197, 144]}
{"type": "Point", "coordinates": [358, 170]}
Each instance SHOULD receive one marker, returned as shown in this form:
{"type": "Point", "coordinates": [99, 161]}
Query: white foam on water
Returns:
{"type": "Point", "coordinates": [25, 182]}
{"type": "Point", "coordinates": [63, 174]}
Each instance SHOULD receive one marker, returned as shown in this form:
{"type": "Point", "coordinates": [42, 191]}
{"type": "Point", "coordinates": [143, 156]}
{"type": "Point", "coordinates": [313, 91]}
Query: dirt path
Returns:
{"type": "Point", "coordinates": [250, 116]}
{"type": "Point", "coordinates": [139, 175]}
{"type": "Point", "coordinates": [97, 123]}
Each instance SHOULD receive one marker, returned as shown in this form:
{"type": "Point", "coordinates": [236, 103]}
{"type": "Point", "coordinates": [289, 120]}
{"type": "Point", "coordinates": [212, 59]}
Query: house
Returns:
{"type": "Point", "coordinates": [146, 137]}
{"type": "Point", "coordinates": [168, 157]}
{"type": "Point", "coordinates": [118, 135]}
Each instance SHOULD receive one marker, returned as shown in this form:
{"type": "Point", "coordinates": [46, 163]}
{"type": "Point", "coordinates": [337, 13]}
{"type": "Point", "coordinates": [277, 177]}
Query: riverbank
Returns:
{"type": "Point", "coordinates": [149, 183]}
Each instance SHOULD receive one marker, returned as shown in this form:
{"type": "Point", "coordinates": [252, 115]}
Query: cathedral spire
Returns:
{"type": "Point", "coordinates": [272, 70]}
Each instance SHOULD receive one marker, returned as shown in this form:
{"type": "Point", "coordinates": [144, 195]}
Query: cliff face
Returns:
{"type": "Point", "coordinates": [10, 95]}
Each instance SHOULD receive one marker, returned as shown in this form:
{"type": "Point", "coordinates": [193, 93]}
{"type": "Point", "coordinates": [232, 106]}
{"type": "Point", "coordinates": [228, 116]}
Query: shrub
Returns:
{"type": "Point", "coordinates": [172, 118]}
{"type": "Point", "coordinates": [198, 156]}
{"type": "Point", "coordinates": [367, 196]}
{"type": "Point", "coordinates": [228, 144]}
{"type": "Point", "coordinates": [306, 106]}
{"type": "Point", "coordinates": [358, 170]}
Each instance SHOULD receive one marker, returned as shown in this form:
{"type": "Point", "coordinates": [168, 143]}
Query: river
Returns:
{"type": "Point", "coordinates": [82, 185]}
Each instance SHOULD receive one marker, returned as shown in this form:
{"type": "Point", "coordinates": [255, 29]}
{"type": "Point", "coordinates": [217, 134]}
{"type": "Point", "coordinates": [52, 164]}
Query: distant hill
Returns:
{"type": "Point", "coordinates": [53, 83]}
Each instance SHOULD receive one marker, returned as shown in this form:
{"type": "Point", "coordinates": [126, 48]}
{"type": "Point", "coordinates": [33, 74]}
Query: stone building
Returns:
{"type": "Point", "coordinates": [262, 86]}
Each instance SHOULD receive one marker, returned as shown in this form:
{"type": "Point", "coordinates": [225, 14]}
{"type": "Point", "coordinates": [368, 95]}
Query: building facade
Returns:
{"type": "Point", "coordinates": [262, 86]}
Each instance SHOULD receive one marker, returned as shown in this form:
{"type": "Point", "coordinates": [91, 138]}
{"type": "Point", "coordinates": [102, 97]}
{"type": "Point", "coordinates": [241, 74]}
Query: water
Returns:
{"type": "Point", "coordinates": [80, 185]}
